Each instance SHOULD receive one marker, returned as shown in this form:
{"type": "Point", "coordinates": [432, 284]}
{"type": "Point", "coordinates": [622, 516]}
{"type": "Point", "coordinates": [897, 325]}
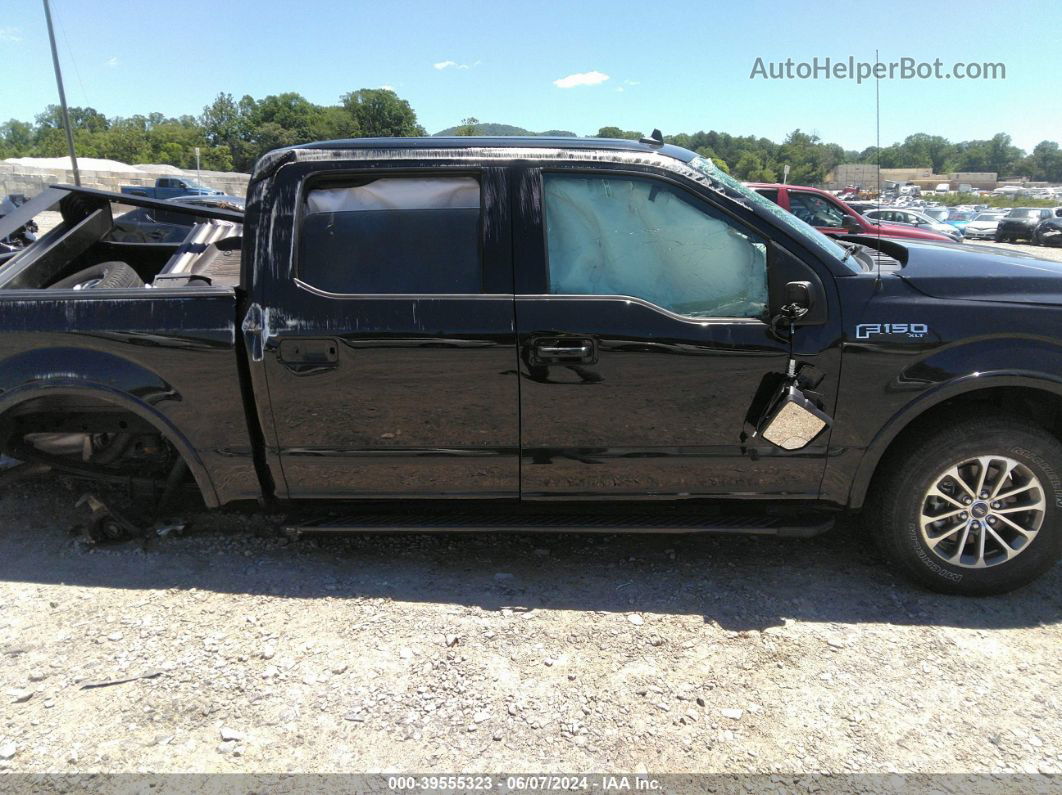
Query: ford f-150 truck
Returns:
{"type": "Point", "coordinates": [552, 334]}
{"type": "Point", "coordinates": [170, 188]}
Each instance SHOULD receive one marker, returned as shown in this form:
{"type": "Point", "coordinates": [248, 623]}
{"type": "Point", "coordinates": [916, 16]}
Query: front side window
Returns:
{"type": "Point", "coordinates": [631, 236]}
{"type": "Point", "coordinates": [412, 235]}
{"type": "Point", "coordinates": [815, 210]}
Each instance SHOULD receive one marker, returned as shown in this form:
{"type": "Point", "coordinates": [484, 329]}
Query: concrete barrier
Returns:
{"type": "Point", "coordinates": [31, 180]}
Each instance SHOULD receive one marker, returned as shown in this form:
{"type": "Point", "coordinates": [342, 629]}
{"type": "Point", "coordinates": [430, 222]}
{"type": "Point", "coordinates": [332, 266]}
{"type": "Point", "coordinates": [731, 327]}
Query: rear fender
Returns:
{"type": "Point", "coordinates": [78, 372]}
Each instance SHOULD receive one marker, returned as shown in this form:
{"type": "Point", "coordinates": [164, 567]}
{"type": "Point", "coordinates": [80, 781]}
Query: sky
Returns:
{"type": "Point", "coordinates": [576, 65]}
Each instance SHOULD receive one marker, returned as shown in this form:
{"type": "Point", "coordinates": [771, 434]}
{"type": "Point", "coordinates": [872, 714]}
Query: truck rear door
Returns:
{"type": "Point", "coordinates": [388, 336]}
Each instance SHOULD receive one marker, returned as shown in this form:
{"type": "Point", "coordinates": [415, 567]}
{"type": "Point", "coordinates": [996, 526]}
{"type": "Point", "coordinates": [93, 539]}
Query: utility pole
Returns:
{"type": "Point", "coordinates": [62, 94]}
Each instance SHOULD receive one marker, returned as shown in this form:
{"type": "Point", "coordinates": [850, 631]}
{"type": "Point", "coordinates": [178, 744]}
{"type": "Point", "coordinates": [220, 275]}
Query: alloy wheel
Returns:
{"type": "Point", "coordinates": [982, 512]}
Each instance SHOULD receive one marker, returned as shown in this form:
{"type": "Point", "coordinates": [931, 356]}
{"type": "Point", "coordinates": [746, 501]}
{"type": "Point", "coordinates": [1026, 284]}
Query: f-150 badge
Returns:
{"type": "Point", "coordinates": [865, 331]}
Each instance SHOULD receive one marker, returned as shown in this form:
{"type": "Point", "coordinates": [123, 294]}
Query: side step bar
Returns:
{"type": "Point", "coordinates": [786, 526]}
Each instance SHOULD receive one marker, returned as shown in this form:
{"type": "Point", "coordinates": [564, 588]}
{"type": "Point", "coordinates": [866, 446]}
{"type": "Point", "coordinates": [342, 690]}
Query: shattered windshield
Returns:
{"type": "Point", "coordinates": [804, 231]}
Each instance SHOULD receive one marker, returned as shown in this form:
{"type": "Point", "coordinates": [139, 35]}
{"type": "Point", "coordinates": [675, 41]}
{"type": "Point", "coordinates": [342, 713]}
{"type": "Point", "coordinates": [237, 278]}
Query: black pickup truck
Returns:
{"type": "Point", "coordinates": [559, 334]}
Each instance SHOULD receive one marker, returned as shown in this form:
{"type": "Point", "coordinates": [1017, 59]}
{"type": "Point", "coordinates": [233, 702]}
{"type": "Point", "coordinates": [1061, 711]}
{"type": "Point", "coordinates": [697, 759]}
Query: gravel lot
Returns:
{"type": "Point", "coordinates": [479, 653]}
{"type": "Point", "coordinates": [1043, 252]}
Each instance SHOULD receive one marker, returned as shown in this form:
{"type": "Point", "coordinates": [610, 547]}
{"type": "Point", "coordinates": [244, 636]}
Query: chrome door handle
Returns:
{"type": "Point", "coordinates": [559, 351]}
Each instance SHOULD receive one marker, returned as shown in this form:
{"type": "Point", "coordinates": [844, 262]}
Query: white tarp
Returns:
{"type": "Point", "coordinates": [398, 193]}
{"type": "Point", "coordinates": [624, 236]}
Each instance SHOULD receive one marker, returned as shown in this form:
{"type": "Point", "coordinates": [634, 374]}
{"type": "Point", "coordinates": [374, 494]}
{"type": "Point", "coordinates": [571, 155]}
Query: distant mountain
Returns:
{"type": "Point", "coordinates": [485, 128]}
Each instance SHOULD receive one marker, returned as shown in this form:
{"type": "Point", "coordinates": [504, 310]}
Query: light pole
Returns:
{"type": "Point", "coordinates": [62, 94]}
{"type": "Point", "coordinates": [198, 179]}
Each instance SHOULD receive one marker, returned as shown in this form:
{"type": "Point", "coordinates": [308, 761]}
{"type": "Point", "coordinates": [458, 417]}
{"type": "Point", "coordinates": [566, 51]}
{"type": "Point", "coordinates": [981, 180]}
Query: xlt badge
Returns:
{"type": "Point", "coordinates": [865, 331]}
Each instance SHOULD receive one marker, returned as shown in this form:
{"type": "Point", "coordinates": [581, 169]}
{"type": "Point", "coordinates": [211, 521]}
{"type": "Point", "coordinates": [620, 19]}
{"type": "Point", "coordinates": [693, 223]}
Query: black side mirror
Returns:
{"type": "Point", "coordinates": [798, 296]}
{"type": "Point", "coordinates": [850, 224]}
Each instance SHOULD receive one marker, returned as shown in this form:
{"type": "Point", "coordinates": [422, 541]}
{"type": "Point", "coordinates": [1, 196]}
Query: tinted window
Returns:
{"type": "Point", "coordinates": [630, 236]}
{"type": "Point", "coordinates": [393, 235]}
{"type": "Point", "coordinates": [768, 193]}
{"type": "Point", "coordinates": [815, 210]}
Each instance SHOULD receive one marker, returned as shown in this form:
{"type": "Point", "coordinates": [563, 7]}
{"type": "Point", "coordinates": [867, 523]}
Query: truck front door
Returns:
{"type": "Point", "coordinates": [642, 318]}
{"type": "Point", "coordinates": [388, 341]}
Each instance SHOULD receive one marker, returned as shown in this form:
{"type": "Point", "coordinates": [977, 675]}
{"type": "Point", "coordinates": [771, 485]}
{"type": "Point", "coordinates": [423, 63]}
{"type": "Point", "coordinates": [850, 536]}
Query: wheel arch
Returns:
{"type": "Point", "coordinates": [1039, 390]}
{"type": "Point", "coordinates": [59, 388]}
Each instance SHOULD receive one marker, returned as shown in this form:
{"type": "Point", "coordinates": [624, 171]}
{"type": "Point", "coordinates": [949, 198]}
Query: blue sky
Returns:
{"type": "Point", "coordinates": [680, 66]}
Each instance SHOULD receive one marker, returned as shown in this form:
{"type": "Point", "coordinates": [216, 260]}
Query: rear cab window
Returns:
{"type": "Point", "coordinates": [392, 235]}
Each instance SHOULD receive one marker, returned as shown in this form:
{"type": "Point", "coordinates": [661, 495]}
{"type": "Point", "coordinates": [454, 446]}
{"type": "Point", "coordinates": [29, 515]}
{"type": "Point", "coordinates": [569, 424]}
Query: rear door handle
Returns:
{"type": "Point", "coordinates": [565, 351]}
{"type": "Point", "coordinates": [304, 355]}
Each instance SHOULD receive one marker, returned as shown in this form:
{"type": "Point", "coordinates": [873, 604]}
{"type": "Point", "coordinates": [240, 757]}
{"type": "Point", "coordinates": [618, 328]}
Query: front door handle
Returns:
{"type": "Point", "coordinates": [565, 351]}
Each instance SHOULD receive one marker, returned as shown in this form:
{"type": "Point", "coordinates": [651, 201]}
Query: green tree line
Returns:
{"type": "Point", "coordinates": [232, 133]}
{"type": "Point", "coordinates": [810, 159]}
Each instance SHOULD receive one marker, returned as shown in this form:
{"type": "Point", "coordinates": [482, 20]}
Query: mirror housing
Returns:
{"type": "Point", "coordinates": [850, 224]}
{"type": "Point", "coordinates": [799, 298]}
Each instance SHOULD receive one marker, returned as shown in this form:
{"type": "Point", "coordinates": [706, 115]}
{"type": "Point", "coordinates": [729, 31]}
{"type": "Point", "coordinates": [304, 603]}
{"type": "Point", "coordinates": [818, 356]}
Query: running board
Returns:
{"type": "Point", "coordinates": [786, 526]}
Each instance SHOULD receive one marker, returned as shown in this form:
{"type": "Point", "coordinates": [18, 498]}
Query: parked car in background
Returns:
{"type": "Point", "coordinates": [833, 217]}
{"type": "Point", "coordinates": [861, 206]}
{"type": "Point", "coordinates": [916, 218]}
{"type": "Point", "coordinates": [154, 225]}
{"type": "Point", "coordinates": [959, 218]}
{"type": "Point", "coordinates": [1049, 231]}
{"type": "Point", "coordinates": [983, 226]}
{"type": "Point", "coordinates": [171, 187]}
{"type": "Point", "coordinates": [1020, 223]}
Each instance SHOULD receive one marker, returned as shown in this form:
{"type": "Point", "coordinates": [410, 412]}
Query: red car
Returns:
{"type": "Point", "coordinates": [831, 216]}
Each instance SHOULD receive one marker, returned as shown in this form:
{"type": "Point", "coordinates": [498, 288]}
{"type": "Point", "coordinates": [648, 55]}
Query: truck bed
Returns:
{"type": "Point", "coordinates": [135, 364]}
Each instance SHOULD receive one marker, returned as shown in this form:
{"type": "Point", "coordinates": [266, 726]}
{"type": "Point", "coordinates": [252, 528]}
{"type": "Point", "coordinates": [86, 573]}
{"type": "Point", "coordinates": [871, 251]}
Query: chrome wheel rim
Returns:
{"type": "Point", "coordinates": [982, 512]}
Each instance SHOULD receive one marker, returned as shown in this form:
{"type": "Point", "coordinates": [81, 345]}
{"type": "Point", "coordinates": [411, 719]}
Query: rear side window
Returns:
{"type": "Point", "coordinates": [393, 235]}
{"type": "Point", "coordinates": [768, 193]}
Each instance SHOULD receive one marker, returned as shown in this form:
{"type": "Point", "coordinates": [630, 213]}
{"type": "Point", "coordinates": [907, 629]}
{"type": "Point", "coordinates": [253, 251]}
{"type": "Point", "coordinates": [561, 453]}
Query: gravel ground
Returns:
{"type": "Point", "coordinates": [231, 648]}
{"type": "Point", "coordinates": [1043, 252]}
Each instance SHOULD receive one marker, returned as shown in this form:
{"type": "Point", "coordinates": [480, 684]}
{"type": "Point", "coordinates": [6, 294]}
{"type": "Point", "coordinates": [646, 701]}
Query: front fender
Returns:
{"type": "Point", "coordinates": [956, 386]}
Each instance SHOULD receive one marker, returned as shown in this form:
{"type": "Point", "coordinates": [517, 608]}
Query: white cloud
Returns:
{"type": "Point", "coordinates": [633, 82]}
{"type": "Point", "coordinates": [387, 87]}
{"type": "Point", "coordinates": [581, 79]}
{"type": "Point", "coordinates": [9, 33]}
{"type": "Point", "coordinates": [452, 65]}
{"type": "Point", "coordinates": [620, 89]}
{"type": "Point", "coordinates": [112, 61]}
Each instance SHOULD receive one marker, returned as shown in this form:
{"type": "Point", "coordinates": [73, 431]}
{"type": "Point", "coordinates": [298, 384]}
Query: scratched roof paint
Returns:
{"type": "Point", "coordinates": [471, 147]}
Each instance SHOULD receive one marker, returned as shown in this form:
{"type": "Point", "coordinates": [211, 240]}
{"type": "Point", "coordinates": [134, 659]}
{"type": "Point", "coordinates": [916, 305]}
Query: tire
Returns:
{"type": "Point", "coordinates": [902, 497]}
{"type": "Point", "coordinates": [998, 238]}
{"type": "Point", "coordinates": [104, 276]}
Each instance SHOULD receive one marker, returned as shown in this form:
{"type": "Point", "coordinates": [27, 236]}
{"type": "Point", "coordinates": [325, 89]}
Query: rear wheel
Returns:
{"type": "Point", "coordinates": [972, 508]}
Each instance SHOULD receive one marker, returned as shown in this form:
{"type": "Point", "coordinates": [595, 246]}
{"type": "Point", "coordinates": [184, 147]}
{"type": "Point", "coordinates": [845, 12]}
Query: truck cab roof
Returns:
{"type": "Point", "coordinates": [271, 160]}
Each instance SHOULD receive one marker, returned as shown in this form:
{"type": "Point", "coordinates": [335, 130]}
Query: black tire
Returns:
{"type": "Point", "coordinates": [998, 237]}
{"type": "Point", "coordinates": [905, 477]}
{"type": "Point", "coordinates": [104, 276]}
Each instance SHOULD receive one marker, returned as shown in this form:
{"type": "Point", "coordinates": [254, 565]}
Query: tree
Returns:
{"type": "Point", "coordinates": [379, 112]}
{"type": "Point", "coordinates": [468, 127]}
{"type": "Point", "coordinates": [616, 132]}
{"type": "Point", "coordinates": [802, 153]}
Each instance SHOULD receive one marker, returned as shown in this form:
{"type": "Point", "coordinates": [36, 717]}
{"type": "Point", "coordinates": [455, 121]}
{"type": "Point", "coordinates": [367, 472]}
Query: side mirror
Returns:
{"type": "Point", "coordinates": [850, 224]}
{"type": "Point", "coordinates": [798, 296]}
